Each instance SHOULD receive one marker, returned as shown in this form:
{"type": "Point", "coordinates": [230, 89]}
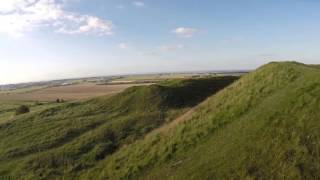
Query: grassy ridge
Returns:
{"type": "Point", "coordinates": [68, 139]}
{"type": "Point", "coordinates": [264, 126]}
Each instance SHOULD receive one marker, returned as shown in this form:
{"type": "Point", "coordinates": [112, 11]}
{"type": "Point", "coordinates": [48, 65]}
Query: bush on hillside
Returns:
{"type": "Point", "coordinates": [60, 100]}
{"type": "Point", "coordinates": [37, 103]}
{"type": "Point", "coordinates": [22, 110]}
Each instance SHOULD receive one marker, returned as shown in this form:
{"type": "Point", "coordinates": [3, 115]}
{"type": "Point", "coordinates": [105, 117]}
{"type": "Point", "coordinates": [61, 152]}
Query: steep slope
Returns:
{"type": "Point", "coordinates": [264, 126]}
{"type": "Point", "coordinates": [72, 138]}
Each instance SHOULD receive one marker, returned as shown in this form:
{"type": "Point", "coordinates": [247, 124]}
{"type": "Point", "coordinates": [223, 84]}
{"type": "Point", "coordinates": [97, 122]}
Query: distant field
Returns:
{"type": "Point", "coordinates": [72, 92]}
{"type": "Point", "coordinates": [22, 90]}
{"type": "Point", "coordinates": [155, 77]}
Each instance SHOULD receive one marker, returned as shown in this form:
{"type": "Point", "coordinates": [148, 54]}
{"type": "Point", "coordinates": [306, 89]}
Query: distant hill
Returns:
{"type": "Point", "coordinates": [264, 126]}
{"type": "Point", "coordinates": [72, 138]}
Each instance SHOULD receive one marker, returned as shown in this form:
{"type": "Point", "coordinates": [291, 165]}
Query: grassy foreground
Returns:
{"type": "Point", "coordinates": [264, 126]}
{"type": "Point", "coordinates": [69, 139]}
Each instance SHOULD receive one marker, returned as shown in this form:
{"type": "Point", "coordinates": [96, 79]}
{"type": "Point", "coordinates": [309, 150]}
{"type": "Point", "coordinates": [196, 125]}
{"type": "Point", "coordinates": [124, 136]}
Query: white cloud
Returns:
{"type": "Point", "coordinates": [7, 6]}
{"type": "Point", "coordinates": [138, 3]}
{"type": "Point", "coordinates": [21, 16]}
{"type": "Point", "coordinates": [87, 24]}
{"type": "Point", "coordinates": [123, 45]}
{"type": "Point", "coordinates": [185, 32]}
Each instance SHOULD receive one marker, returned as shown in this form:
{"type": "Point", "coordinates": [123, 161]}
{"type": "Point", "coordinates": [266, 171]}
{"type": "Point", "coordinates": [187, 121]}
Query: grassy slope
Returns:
{"type": "Point", "coordinates": [71, 138]}
{"type": "Point", "coordinates": [265, 126]}
{"type": "Point", "coordinates": [7, 109]}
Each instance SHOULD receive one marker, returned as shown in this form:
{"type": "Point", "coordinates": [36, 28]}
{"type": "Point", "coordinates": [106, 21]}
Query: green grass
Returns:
{"type": "Point", "coordinates": [7, 108]}
{"type": "Point", "coordinates": [264, 126]}
{"type": "Point", "coordinates": [70, 139]}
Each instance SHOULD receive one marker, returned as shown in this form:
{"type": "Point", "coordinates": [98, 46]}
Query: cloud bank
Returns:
{"type": "Point", "coordinates": [18, 17]}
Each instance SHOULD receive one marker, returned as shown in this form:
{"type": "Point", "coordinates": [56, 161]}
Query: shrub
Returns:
{"type": "Point", "coordinates": [60, 100]}
{"type": "Point", "coordinates": [37, 103]}
{"type": "Point", "coordinates": [22, 110]}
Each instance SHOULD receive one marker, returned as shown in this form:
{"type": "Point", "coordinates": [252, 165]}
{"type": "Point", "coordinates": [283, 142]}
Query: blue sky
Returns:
{"type": "Point", "coordinates": [53, 39]}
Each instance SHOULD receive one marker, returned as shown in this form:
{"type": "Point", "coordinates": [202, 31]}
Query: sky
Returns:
{"type": "Point", "coordinates": [55, 39]}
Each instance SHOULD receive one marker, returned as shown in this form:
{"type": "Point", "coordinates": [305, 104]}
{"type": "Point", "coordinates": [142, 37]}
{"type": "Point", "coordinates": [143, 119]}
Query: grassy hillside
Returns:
{"type": "Point", "coordinates": [71, 138]}
{"type": "Point", "coordinates": [264, 126]}
{"type": "Point", "coordinates": [7, 108]}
